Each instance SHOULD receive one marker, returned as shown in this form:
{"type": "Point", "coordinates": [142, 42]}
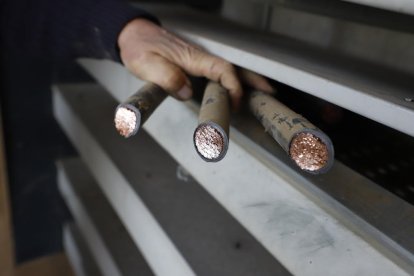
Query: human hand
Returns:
{"type": "Point", "coordinates": [153, 54]}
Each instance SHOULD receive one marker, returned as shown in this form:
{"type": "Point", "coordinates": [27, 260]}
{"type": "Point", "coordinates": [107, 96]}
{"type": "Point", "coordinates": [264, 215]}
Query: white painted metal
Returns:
{"type": "Point", "coordinates": [73, 253]}
{"type": "Point", "coordinates": [156, 247]}
{"type": "Point", "coordinates": [367, 101]}
{"type": "Point", "coordinates": [92, 211]}
{"type": "Point", "coordinates": [113, 76]}
{"type": "Point", "coordinates": [383, 103]}
{"type": "Point", "coordinates": [76, 250]}
{"type": "Point", "coordinates": [100, 252]}
{"type": "Point", "coordinates": [303, 237]}
{"type": "Point", "coordinates": [294, 229]}
{"type": "Point", "coordinates": [402, 6]}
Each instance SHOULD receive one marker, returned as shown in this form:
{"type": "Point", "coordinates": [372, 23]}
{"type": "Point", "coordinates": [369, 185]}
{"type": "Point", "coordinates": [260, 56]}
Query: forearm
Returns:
{"type": "Point", "coordinates": [66, 29]}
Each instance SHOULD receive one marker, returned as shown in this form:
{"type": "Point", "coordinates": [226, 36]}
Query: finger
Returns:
{"type": "Point", "coordinates": [199, 63]}
{"type": "Point", "coordinates": [256, 81]}
{"type": "Point", "coordinates": [170, 77]}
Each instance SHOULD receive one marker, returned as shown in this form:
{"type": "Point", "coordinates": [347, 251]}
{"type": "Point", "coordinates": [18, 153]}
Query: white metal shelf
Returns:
{"type": "Point", "coordinates": [401, 6]}
{"type": "Point", "coordinates": [202, 231]}
{"type": "Point", "coordinates": [156, 247]}
{"type": "Point", "coordinates": [306, 226]}
{"type": "Point", "coordinates": [78, 253]}
{"type": "Point", "coordinates": [262, 196]}
{"type": "Point", "coordinates": [106, 237]}
{"type": "Point", "coordinates": [366, 89]}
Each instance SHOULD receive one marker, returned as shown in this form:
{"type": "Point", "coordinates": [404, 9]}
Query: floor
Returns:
{"type": "Point", "coordinates": [53, 265]}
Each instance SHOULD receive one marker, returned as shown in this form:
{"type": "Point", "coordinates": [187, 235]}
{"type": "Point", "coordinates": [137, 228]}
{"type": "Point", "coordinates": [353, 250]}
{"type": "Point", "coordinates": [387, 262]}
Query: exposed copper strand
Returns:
{"type": "Point", "coordinates": [125, 121]}
{"type": "Point", "coordinates": [209, 142]}
{"type": "Point", "coordinates": [309, 152]}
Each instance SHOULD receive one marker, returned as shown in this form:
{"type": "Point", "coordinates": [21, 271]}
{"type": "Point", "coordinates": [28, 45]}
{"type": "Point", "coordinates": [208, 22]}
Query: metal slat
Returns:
{"type": "Point", "coordinates": [205, 234]}
{"type": "Point", "coordinates": [79, 255]}
{"type": "Point", "coordinates": [262, 194]}
{"type": "Point", "coordinates": [362, 88]}
{"type": "Point", "coordinates": [355, 193]}
{"type": "Point", "coordinates": [401, 6]}
{"type": "Point", "coordinates": [108, 240]}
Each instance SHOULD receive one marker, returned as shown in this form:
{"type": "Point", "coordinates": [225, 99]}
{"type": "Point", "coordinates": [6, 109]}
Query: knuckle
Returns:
{"type": "Point", "coordinates": [172, 81]}
{"type": "Point", "coordinates": [134, 66]}
{"type": "Point", "coordinates": [220, 67]}
{"type": "Point", "coordinates": [143, 57]}
{"type": "Point", "coordinates": [137, 63]}
{"type": "Point", "coordinates": [172, 78]}
{"type": "Point", "coordinates": [228, 67]}
{"type": "Point", "coordinates": [188, 54]}
{"type": "Point", "coordinates": [190, 51]}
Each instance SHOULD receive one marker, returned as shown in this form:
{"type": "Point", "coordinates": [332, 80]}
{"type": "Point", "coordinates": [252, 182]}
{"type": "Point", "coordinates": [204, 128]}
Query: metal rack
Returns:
{"type": "Point", "coordinates": [253, 211]}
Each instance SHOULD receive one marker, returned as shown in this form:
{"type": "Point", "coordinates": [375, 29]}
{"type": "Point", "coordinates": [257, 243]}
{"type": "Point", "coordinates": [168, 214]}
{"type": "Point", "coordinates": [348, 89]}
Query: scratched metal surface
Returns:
{"type": "Point", "coordinates": [342, 189]}
{"type": "Point", "coordinates": [208, 237]}
{"type": "Point", "coordinates": [106, 236]}
{"type": "Point", "coordinates": [384, 210]}
{"type": "Point", "coordinates": [379, 154]}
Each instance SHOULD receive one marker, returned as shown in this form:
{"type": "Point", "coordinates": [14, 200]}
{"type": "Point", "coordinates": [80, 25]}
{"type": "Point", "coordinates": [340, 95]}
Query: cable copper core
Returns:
{"type": "Point", "coordinates": [125, 121]}
{"type": "Point", "coordinates": [309, 152]}
{"type": "Point", "coordinates": [209, 142]}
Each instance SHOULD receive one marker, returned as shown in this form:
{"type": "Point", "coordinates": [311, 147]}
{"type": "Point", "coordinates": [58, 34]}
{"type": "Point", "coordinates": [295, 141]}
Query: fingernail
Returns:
{"type": "Point", "coordinates": [184, 93]}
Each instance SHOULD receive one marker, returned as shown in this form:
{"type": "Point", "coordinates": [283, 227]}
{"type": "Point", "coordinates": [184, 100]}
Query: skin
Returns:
{"type": "Point", "coordinates": [153, 54]}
